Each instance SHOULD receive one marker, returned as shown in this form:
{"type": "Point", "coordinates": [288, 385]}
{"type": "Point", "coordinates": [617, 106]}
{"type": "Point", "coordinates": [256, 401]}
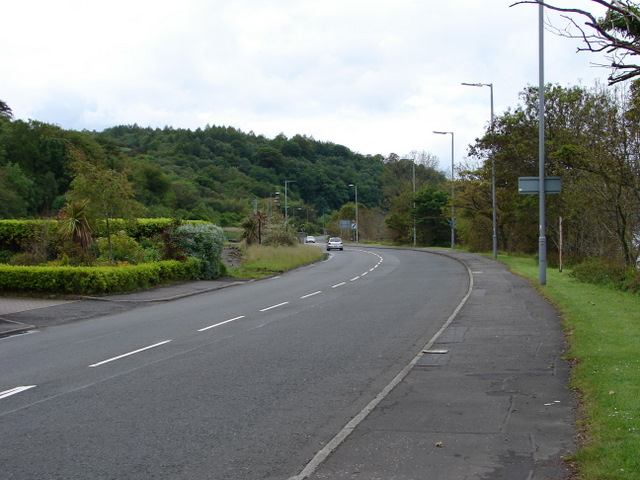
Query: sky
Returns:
{"type": "Point", "coordinates": [378, 76]}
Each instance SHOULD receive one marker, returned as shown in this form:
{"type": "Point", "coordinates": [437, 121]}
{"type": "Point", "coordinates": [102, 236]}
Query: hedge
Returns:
{"type": "Point", "coordinates": [93, 280]}
{"type": "Point", "coordinates": [15, 235]}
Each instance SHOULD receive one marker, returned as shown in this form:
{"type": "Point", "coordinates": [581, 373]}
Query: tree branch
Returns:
{"type": "Point", "coordinates": [617, 34]}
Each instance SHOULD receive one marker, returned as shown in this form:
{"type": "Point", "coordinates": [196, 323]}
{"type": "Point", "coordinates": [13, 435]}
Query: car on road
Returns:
{"type": "Point", "coordinates": [334, 243]}
{"type": "Point", "coordinates": [310, 239]}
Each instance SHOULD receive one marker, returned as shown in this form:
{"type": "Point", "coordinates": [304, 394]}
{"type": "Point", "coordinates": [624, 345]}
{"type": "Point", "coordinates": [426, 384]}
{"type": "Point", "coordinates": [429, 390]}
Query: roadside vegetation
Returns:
{"type": "Point", "coordinates": [603, 330]}
{"type": "Point", "coordinates": [261, 261]}
{"type": "Point", "coordinates": [89, 188]}
{"type": "Point", "coordinates": [76, 255]}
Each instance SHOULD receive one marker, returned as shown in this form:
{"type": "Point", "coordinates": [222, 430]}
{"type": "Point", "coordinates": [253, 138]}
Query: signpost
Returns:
{"type": "Point", "coordinates": [344, 225]}
{"type": "Point", "coordinates": [531, 185]}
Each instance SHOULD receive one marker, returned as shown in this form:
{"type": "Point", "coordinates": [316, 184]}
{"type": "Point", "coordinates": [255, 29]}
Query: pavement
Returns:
{"type": "Point", "coordinates": [486, 399]}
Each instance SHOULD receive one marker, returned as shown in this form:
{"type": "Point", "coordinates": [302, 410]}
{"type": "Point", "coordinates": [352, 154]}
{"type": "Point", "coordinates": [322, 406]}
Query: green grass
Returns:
{"type": "Point", "coordinates": [603, 330]}
{"type": "Point", "coordinates": [232, 233]}
{"type": "Point", "coordinates": [261, 261]}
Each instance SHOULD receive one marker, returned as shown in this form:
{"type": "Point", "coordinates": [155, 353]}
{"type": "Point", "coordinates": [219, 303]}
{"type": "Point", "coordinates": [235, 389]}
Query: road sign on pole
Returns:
{"type": "Point", "coordinates": [531, 185]}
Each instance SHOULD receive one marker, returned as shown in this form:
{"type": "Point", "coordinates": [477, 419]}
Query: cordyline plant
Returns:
{"type": "Point", "coordinates": [75, 224]}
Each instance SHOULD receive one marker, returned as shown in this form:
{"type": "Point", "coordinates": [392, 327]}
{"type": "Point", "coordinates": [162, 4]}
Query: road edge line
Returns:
{"type": "Point", "coordinates": [335, 442]}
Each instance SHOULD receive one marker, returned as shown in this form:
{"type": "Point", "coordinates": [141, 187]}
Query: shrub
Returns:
{"type": "Point", "coordinates": [204, 242]}
{"type": "Point", "coordinates": [5, 255]}
{"type": "Point", "coordinates": [278, 235]}
{"type": "Point", "coordinates": [27, 258]}
{"type": "Point", "coordinates": [123, 248]}
{"type": "Point", "coordinates": [609, 273]}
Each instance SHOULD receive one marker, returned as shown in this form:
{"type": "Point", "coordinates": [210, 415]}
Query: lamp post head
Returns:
{"type": "Point", "coordinates": [477, 84]}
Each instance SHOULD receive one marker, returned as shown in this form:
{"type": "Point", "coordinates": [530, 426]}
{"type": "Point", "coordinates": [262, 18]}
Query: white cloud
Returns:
{"type": "Point", "coordinates": [375, 75]}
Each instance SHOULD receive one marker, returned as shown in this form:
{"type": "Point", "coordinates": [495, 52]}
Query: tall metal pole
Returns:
{"type": "Point", "coordinates": [453, 192]}
{"type": "Point", "coordinates": [413, 162]}
{"type": "Point", "coordinates": [357, 224]}
{"type": "Point", "coordinates": [494, 202]}
{"type": "Point", "coordinates": [493, 172]}
{"type": "Point", "coordinates": [542, 248]}
{"type": "Point", "coordinates": [286, 204]}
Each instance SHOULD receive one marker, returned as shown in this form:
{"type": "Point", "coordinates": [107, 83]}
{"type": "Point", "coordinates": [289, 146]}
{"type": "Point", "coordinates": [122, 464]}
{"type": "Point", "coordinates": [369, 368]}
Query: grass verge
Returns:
{"type": "Point", "coordinates": [603, 330]}
{"type": "Point", "coordinates": [261, 261]}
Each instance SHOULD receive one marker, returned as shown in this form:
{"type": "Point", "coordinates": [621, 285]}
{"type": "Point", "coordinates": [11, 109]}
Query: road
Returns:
{"type": "Point", "coordinates": [244, 383]}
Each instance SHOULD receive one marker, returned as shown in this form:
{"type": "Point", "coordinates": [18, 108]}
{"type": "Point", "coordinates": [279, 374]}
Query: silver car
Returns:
{"type": "Point", "coordinates": [334, 243]}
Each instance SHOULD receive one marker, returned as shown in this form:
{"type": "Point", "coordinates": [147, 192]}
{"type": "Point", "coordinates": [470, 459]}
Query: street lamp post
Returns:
{"type": "Point", "coordinates": [357, 225]}
{"type": "Point", "coordinates": [286, 204]}
{"type": "Point", "coordinates": [493, 170]}
{"type": "Point", "coordinates": [413, 185]}
{"type": "Point", "coordinates": [453, 220]}
{"type": "Point", "coordinates": [542, 240]}
{"type": "Point", "coordinates": [299, 209]}
{"type": "Point", "coordinates": [413, 163]}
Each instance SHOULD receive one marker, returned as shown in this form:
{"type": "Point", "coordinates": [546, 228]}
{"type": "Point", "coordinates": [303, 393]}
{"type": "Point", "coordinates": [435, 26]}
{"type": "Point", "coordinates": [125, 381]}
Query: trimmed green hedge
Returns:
{"type": "Point", "coordinates": [16, 234]}
{"type": "Point", "coordinates": [93, 280]}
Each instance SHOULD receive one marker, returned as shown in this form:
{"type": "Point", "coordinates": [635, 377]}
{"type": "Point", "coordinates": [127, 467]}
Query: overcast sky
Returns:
{"type": "Point", "coordinates": [377, 76]}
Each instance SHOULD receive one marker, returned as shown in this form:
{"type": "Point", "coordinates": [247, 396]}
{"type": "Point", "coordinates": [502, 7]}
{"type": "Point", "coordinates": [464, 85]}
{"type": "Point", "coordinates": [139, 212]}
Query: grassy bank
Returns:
{"type": "Point", "coordinates": [261, 261]}
{"type": "Point", "coordinates": [603, 329]}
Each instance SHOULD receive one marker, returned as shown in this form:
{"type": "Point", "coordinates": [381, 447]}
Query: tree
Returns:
{"type": "Point", "coordinates": [269, 157]}
{"type": "Point", "coordinates": [5, 111]}
{"type": "Point", "coordinates": [16, 190]}
{"type": "Point", "coordinates": [592, 145]}
{"type": "Point", "coordinates": [254, 227]}
{"type": "Point", "coordinates": [108, 193]}
{"type": "Point", "coordinates": [617, 34]}
{"type": "Point", "coordinates": [432, 223]}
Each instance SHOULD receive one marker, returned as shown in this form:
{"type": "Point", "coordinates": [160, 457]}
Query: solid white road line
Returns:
{"type": "Point", "coordinates": [13, 391]}
{"type": "Point", "coordinates": [274, 306]}
{"type": "Point", "coordinates": [221, 323]}
{"type": "Point", "coordinates": [128, 354]}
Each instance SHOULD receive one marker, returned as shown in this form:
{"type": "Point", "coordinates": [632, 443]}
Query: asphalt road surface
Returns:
{"type": "Point", "coordinates": [247, 382]}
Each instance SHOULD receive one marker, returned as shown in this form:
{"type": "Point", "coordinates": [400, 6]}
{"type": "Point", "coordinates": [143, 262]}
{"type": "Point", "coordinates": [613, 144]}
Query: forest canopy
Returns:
{"type": "Point", "coordinates": [223, 175]}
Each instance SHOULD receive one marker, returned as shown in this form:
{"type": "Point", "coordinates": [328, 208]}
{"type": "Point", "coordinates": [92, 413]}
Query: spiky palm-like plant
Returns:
{"type": "Point", "coordinates": [76, 224]}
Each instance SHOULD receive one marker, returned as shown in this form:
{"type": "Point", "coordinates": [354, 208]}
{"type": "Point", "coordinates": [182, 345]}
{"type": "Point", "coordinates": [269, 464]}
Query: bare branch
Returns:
{"type": "Point", "coordinates": [617, 34]}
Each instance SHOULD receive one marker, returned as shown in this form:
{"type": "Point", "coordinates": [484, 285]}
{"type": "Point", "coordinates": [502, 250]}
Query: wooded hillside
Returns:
{"type": "Point", "coordinates": [222, 175]}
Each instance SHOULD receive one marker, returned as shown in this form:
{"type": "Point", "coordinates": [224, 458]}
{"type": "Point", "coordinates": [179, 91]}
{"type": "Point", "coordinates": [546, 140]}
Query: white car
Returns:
{"type": "Point", "coordinates": [310, 239]}
{"type": "Point", "coordinates": [334, 243]}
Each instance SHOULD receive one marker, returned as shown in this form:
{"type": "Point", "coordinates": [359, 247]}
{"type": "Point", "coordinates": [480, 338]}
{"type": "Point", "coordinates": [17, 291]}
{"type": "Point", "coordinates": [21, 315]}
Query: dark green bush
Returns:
{"type": "Point", "coordinates": [5, 255]}
{"type": "Point", "coordinates": [17, 235]}
{"type": "Point", "coordinates": [66, 280]}
{"type": "Point", "coordinates": [610, 273]}
{"type": "Point", "coordinates": [27, 258]}
{"type": "Point", "coordinates": [123, 248]}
